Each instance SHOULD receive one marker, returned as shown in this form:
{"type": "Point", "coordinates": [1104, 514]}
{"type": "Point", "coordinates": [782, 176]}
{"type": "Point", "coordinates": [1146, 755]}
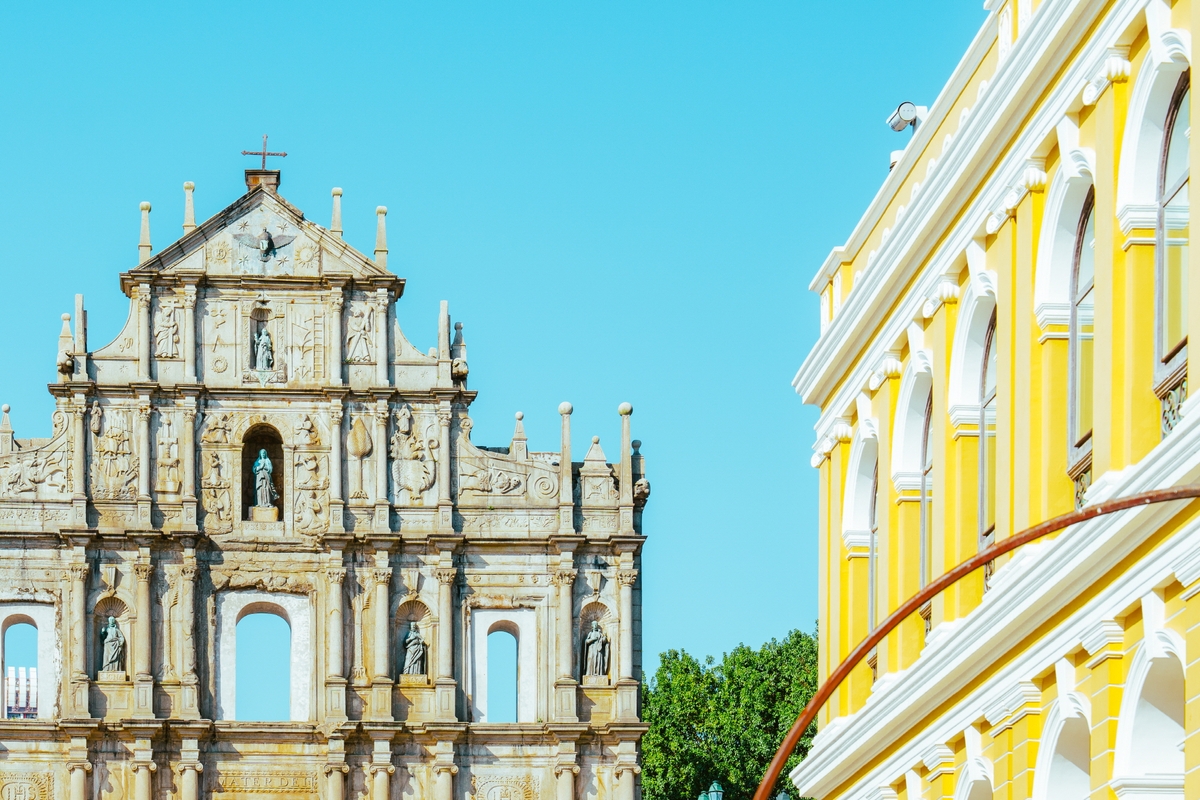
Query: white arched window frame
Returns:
{"type": "Point", "coordinates": [522, 624]}
{"type": "Point", "coordinates": [859, 522]}
{"type": "Point", "coordinates": [987, 436]}
{"type": "Point", "coordinates": [911, 474]}
{"type": "Point", "coordinates": [1171, 255]}
{"type": "Point", "coordinates": [1063, 767]}
{"type": "Point", "coordinates": [296, 611]}
{"type": "Point", "coordinates": [925, 492]}
{"type": "Point", "coordinates": [1080, 355]}
{"type": "Point", "coordinates": [1149, 758]}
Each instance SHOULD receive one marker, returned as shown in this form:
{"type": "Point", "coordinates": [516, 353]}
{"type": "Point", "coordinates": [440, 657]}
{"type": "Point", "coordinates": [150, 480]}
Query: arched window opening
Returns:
{"type": "Point", "coordinates": [20, 671]}
{"type": "Point", "coordinates": [1080, 355]}
{"type": "Point", "coordinates": [873, 551]}
{"type": "Point", "coordinates": [503, 675]}
{"type": "Point", "coordinates": [1171, 256]}
{"type": "Point", "coordinates": [1158, 731]}
{"type": "Point", "coordinates": [262, 475]}
{"type": "Point", "coordinates": [263, 668]}
{"type": "Point", "coordinates": [1070, 775]}
{"type": "Point", "coordinates": [926, 494]}
{"type": "Point", "coordinates": [987, 438]}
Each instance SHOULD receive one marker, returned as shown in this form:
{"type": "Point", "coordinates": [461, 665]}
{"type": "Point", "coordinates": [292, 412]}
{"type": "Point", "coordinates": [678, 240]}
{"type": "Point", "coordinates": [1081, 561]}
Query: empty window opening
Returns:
{"type": "Point", "coordinates": [502, 677]}
{"type": "Point", "coordinates": [263, 671]}
{"type": "Point", "coordinates": [20, 671]}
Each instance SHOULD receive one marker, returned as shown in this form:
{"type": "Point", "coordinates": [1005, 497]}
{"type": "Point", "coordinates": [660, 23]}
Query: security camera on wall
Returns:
{"type": "Point", "coordinates": [905, 114]}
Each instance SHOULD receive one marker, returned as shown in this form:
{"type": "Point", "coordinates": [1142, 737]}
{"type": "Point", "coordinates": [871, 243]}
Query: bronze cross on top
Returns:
{"type": "Point", "coordinates": [262, 152]}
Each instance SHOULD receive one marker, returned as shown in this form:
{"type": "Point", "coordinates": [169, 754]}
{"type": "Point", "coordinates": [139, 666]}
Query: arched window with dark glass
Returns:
{"type": "Point", "coordinates": [987, 437]}
{"type": "Point", "coordinates": [1080, 356]}
{"type": "Point", "coordinates": [926, 495]}
{"type": "Point", "coordinates": [1171, 256]}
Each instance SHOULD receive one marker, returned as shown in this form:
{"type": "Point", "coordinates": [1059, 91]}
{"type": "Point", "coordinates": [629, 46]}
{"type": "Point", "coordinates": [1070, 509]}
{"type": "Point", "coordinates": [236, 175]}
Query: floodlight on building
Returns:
{"type": "Point", "coordinates": [904, 115]}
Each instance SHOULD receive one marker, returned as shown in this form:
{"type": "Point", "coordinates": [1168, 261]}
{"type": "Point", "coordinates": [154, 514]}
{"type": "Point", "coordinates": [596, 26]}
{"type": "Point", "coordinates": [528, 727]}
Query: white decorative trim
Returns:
{"type": "Point", "coordinates": [909, 423]}
{"type": "Point", "coordinates": [966, 355]}
{"type": "Point", "coordinates": [1102, 634]}
{"type": "Point", "coordinates": [1069, 706]}
{"type": "Point", "coordinates": [938, 759]}
{"type": "Point", "coordinates": [1104, 486]}
{"type": "Point", "coordinates": [1021, 699]}
{"type": "Point", "coordinates": [1148, 787]}
{"type": "Point", "coordinates": [1163, 644]}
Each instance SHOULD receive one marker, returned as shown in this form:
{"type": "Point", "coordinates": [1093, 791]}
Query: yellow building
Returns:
{"type": "Point", "coordinates": [1004, 338]}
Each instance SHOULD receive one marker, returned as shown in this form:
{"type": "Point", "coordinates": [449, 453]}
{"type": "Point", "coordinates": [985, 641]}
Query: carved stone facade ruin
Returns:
{"type": "Point", "coordinates": [146, 525]}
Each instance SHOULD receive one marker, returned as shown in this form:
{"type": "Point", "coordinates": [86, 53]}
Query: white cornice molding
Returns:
{"type": "Point", "coordinates": [1103, 633]}
{"type": "Point", "coordinates": [1012, 612]}
{"type": "Point", "coordinates": [1012, 96]}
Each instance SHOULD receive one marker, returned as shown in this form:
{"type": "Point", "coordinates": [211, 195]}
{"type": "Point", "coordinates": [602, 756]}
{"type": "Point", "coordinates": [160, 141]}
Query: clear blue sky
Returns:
{"type": "Point", "coordinates": [621, 201]}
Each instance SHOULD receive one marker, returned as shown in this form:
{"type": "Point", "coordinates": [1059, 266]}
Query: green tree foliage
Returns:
{"type": "Point", "coordinates": [723, 721]}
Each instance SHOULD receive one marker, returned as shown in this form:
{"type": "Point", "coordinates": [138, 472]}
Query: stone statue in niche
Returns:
{"type": "Point", "coordinates": [113, 641]}
{"type": "Point", "coordinates": [414, 653]}
{"type": "Point", "coordinates": [264, 353]}
{"type": "Point", "coordinates": [166, 335]}
{"type": "Point", "coordinates": [358, 335]}
{"type": "Point", "coordinates": [264, 489]}
{"type": "Point", "coordinates": [414, 467]}
{"type": "Point", "coordinates": [595, 652]}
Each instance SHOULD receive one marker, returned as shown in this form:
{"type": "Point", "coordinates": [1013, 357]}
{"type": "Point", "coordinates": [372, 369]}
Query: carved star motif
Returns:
{"type": "Point", "coordinates": [283, 260]}
{"type": "Point", "coordinates": [243, 262]}
{"type": "Point", "coordinates": [283, 228]}
{"type": "Point", "coordinates": [244, 226]}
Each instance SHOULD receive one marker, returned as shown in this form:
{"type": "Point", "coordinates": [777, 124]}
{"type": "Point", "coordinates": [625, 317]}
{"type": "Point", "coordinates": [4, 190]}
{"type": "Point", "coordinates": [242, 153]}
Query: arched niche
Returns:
{"type": "Point", "coordinates": [1149, 756]}
{"type": "Point", "coordinates": [522, 624]}
{"type": "Point", "coordinates": [414, 614]}
{"type": "Point", "coordinates": [975, 781]}
{"type": "Point", "coordinates": [41, 616]}
{"type": "Point", "coordinates": [1063, 769]}
{"type": "Point", "coordinates": [860, 486]}
{"type": "Point", "coordinates": [258, 438]}
{"type": "Point", "coordinates": [115, 607]}
{"type": "Point", "coordinates": [595, 611]}
{"type": "Point", "coordinates": [296, 610]}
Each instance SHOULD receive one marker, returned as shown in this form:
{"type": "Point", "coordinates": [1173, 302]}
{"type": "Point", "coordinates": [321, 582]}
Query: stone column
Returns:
{"type": "Point", "coordinates": [144, 570]}
{"type": "Point", "coordinates": [381, 337]}
{"type": "Point", "coordinates": [565, 579]}
{"type": "Point", "coordinates": [446, 689]}
{"type": "Point", "coordinates": [189, 334]}
{"type": "Point", "coordinates": [336, 667]}
{"type": "Point", "coordinates": [187, 460]}
{"type": "Point", "coordinates": [443, 781]}
{"type": "Point", "coordinates": [79, 773]}
{"type": "Point", "coordinates": [566, 489]}
{"type": "Point", "coordinates": [626, 777]}
{"type": "Point", "coordinates": [336, 780]}
{"type": "Point", "coordinates": [143, 775]}
{"type": "Point", "coordinates": [626, 577]}
{"type": "Point", "coordinates": [382, 577]}
{"type": "Point", "coordinates": [625, 472]}
{"type": "Point", "coordinates": [143, 437]}
{"type": "Point", "coordinates": [445, 504]}
{"type": "Point", "coordinates": [187, 611]}
{"type": "Point", "coordinates": [382, 521]}
{"type": "Point", "coordinates": [381, 781]}
{"type": "Point", "coordinates": [337, 521]}
{"type": "Point", "coordinates": [143, 301]}
{"type": "Point", "coordinates": [336, 301]}
{"type": "Point", "coordinates": [79, 576]}
{"type": "Point", "coordinates": [79, 449]}
{"type": "Point", "coordinates": [564, 775]}
{"type": "Point", "coordinates": [189, 780]}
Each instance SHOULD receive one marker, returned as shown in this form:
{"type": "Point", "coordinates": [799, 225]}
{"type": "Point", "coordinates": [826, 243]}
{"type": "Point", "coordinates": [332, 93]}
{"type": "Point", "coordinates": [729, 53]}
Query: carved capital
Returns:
{"type": "Point", "coordinates": [446, 575]}
{"type": "Point", "coordinates": [196, 766]}
{"type": "Point", "coordinates": [150, 765]}
{"type": "Point", "coordinates": [143, 571]}
{"type": "Point", "coordinates": [382, 575]}
{"type": "Point", "coordinates": [335, 415]}
{"type": "Point", "coordinates": [342, 768]}
{"type": "Point", "coordinates": [335, 575]}
{"type": "Point", "coordinates": [79, 572]}
{"type": "Point", "coordinates": [189, 414]}
{"type": "Point", "coordinates": [337, 300]}
{"type": "Point", "coordinates": [563, 577]}
{"type": "Point", "coordinates": [188, 572]}
{"type": "Point", "coordinates": [627, 577]}
{"type": "Point", "coordinates": [189, 298]}
{"type": "Point", "coordinates": [440, 768]}
{"type": "Point", "coordinates": [561, 768]}
{"type": "Point", "coordinates": [388, 768]}
{"type": "Point", "coordinates": [86, 766]}
{"type": "Point", "coordinates": [143, 412]}
{"type": "Point", "coordinates": [622, 768]}
{"type": "Point", "coordinates": [143, 300]}
{"type": "Point", "coordinates": [444, 418]}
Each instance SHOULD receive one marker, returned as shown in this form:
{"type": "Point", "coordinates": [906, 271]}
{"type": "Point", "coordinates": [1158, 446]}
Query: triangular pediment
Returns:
{"type": "Point", "coordinates": [260, 238]}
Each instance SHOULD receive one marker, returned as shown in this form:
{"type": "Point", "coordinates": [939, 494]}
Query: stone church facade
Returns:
{"type": "Point", "coordinates": [262, 437]}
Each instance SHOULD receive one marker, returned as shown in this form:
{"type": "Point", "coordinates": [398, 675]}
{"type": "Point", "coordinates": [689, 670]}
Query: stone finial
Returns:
{"type": "Point", "coordinates": [444, 331]}
{"type": "Point", "coordinates": [625, 470]}
{"type": "Point", "coordinates": [6, 431]}
{"type": "Point", "coordinates": [625, 409]}
{"type": "Point", "coordinates": [335, 226]}
{"type": "Point", "coordinates": [520, 446]}
{"type": "Point", "coordinates": [144, 241]}
{"type": "Point", "coordinates": [381, 250]}
{"type": "Point", "coordinates": [189, 211]}
{"type": "Point", "coordinates": [565, 408]}
{"type": "Point", "coordinates": [66, 345]}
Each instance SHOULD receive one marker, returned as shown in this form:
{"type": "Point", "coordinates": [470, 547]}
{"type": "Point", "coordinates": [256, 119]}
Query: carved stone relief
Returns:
{"type": "Point", "coordinates": [215, 493]}
{"type": "Point", "coordinates": [414, 458]}
{"type": "Point", "coordinates": [114, 469]}
{"type": "Point", "coordinates": [167, 462]}
{"type": "Point", "coordinates": [310, 510]}
{"type": "Point", "coordinates": [505, 787]}
{"type": "Point", "coordinates": [483, 476]}
{"type": "Point", "coordinates": [306, 343]}
{"type": "Point", "coordinates": [26, 785]}
{"type": "Point", "coordinates": [360, 334]}
{"type": "Point", "coordinates": [166, 329]}
{"type": "Point", "coordinates": [358, 446]}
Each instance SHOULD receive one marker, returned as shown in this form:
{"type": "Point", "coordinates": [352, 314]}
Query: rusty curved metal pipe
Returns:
{"type": "Point", "coordinates": [915, 602]}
